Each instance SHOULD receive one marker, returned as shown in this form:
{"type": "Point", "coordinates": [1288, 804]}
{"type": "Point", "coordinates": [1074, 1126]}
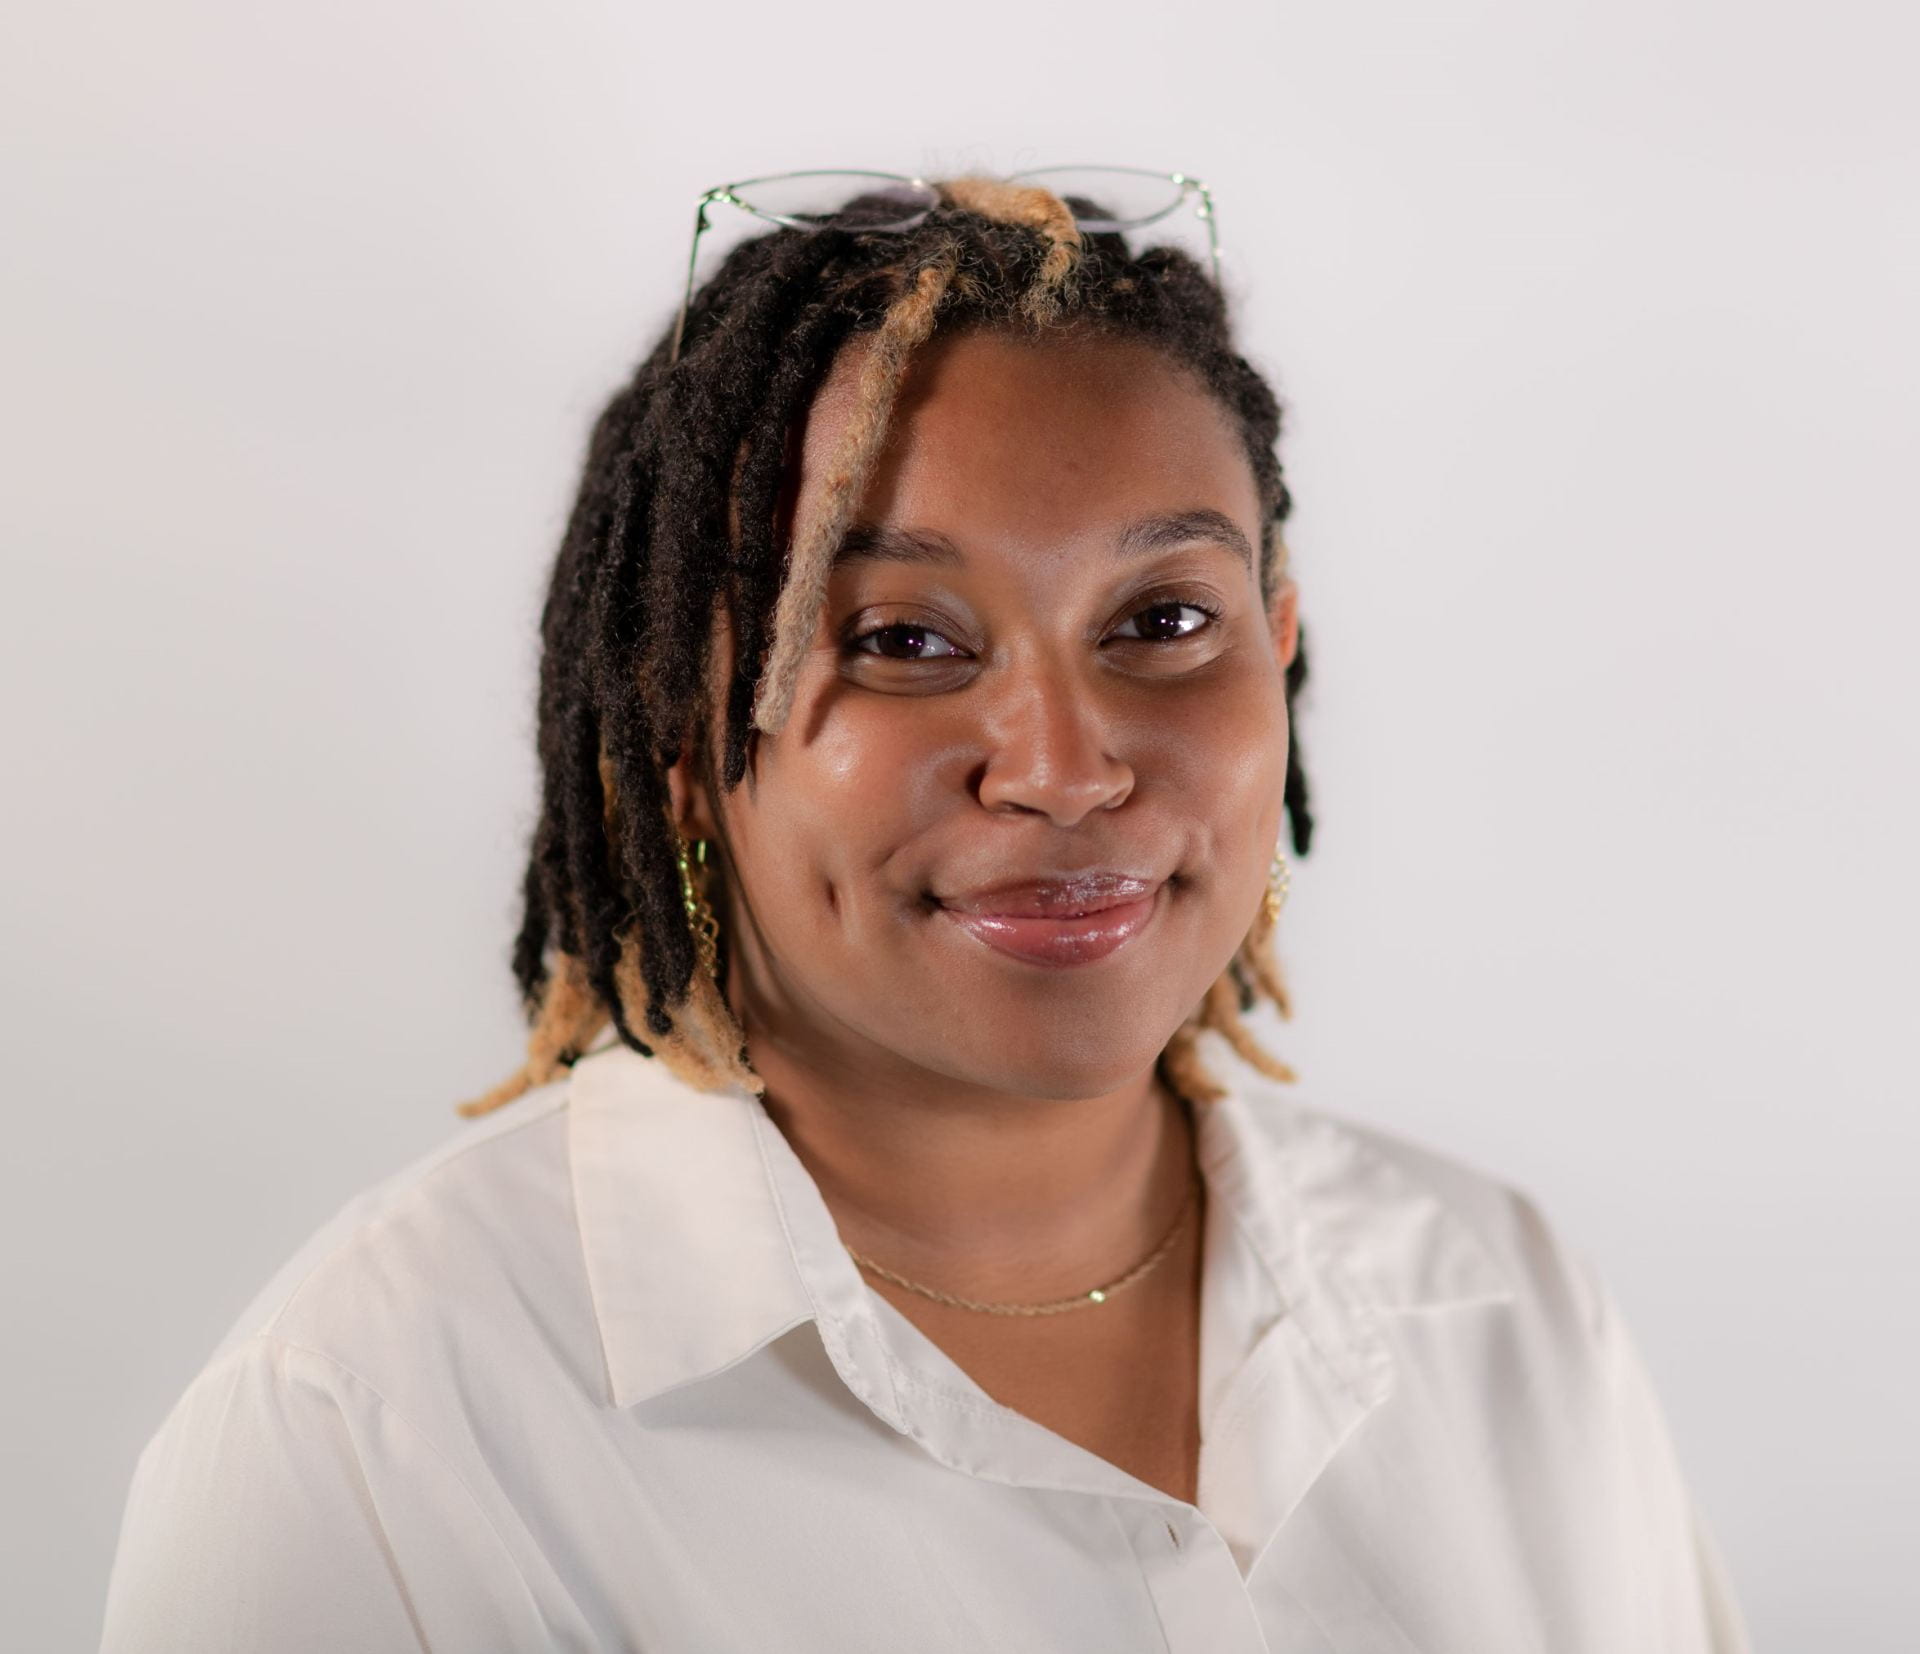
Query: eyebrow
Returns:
{"type": "Point", "coordinates": [868, 542]}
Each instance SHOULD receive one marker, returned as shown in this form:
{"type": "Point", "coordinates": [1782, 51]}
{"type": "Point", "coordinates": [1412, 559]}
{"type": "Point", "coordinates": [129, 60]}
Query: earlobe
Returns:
{"type": "Point", "coordinates": [679, 789]}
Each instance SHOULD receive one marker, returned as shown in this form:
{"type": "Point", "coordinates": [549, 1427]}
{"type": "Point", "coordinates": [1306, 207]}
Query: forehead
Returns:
{"type": "Point", "coordinates": [998, 439]}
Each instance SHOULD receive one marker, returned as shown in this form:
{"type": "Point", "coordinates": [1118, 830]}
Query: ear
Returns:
{"type": "Point", "coordinates": [692, 805]}
{"type": "Point", "coordinates": [1283, 617]}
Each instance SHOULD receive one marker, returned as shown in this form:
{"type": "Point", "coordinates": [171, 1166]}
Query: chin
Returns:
{"type": "Point", "coordinates": [1038, 1057]}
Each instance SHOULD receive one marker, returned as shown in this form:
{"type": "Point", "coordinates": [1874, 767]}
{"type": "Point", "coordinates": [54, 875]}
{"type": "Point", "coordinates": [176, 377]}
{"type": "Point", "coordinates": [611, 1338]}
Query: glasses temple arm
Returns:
{"type": "Point", "coordinates": [1205, 211]}
{"type": "Point", "coordinates": [686, 298]}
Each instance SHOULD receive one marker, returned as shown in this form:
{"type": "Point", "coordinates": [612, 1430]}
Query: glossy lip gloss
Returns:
{"type": "Point", "coordinates": [1060, 939]}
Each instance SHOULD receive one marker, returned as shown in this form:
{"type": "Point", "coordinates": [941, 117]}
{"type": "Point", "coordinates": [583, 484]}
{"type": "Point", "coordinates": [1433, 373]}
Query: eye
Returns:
{"type": "Point", "coordinates": [910, 639]}
{"type": "Point", "coordinates": [1166, 621]}
{"type": "Point", "coordinates": [1162, 622]}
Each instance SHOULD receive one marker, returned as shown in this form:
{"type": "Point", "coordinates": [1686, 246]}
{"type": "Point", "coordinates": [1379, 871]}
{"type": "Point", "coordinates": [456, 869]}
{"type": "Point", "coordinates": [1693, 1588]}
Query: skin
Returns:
{"type": "Point", "coordinates": [978, 1123]}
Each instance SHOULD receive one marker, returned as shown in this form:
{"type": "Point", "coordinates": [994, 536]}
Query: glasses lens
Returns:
{"type": "Point", "coordinates": [1110, 198]}
{"type": "Point", "coordinates": [839, 200]}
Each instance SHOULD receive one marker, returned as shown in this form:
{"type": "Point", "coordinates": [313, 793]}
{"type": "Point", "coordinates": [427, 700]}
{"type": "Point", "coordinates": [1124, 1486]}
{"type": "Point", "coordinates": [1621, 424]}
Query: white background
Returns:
{"type": "Point", "coordinates": [1596, 323]}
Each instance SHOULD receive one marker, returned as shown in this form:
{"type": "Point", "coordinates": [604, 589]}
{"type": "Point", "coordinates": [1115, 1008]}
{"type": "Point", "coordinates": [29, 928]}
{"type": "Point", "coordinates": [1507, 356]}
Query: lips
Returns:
{"type": "Point", "coordinates": [1065, 898]}
{"type": "Point", "coordinates": [1071, 921]}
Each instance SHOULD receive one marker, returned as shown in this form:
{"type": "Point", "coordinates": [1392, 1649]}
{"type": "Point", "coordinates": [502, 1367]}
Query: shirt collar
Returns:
{"type": "Point", "coordinates": [705, 1237]}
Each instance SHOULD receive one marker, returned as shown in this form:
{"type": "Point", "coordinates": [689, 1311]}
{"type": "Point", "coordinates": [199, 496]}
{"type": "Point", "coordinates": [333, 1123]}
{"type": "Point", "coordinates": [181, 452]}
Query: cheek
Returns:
{"type": "Point", "coordinates": [1224, 757]}
{"type": "Point", "coordinates": [827, 816]}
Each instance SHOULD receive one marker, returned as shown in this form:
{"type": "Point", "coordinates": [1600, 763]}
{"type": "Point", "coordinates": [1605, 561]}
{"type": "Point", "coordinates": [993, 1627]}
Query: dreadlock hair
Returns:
{"type": "Point", "coordinates": [674, 528]}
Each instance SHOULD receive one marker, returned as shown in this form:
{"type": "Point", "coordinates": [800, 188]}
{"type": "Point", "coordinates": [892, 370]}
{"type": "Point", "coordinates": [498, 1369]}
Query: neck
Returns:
{"type": "Point", "coordinates": [981, 1192]}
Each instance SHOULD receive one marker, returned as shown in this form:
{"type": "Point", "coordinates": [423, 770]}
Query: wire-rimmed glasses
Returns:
{"type": "Point", "coordinates": [1101, 199]}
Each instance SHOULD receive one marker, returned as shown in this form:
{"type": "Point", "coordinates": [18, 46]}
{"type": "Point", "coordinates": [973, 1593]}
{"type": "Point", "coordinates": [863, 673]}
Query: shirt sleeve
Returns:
{"type": "Point", "coordinates": [284, 1505]}
{"type": "Point", "coordinates": [1692, 1602]}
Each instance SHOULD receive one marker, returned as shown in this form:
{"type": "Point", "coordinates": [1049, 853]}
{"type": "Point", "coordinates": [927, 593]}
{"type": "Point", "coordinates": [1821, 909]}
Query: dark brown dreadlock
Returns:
{"type": "Point", "coordinates": [674, 527]}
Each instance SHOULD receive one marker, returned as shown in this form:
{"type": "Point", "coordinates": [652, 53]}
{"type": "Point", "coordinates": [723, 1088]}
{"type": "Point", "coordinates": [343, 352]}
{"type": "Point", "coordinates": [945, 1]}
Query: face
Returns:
{"type": "Point", "coordinates": [1022, 813]}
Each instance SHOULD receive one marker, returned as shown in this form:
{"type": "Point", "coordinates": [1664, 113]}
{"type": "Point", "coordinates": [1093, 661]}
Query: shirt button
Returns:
{"type": "Point", "coordinates": [1172, 1535]}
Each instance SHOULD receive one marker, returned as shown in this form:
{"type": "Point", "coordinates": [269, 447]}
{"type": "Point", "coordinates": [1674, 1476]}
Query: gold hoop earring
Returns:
{"type": "Point", "coordinates": [1279, 881]}
{"type": "Point", "coordinates": [700, 919]}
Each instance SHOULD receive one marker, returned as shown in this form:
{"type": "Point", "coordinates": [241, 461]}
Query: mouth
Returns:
{"type": "Point", "coordinates": [1068, 922]}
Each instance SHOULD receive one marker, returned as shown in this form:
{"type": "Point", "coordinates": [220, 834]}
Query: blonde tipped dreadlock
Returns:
{"type": "Point", "coordinates": [673, 526]}
{"type": "Point", "coordinates": [1039, 210]}
{"type": "Point", "coordinates": [570, 1015]}
{"type": "Point", "coordinates": [706, 1046]}
{"type": "Point", "coordinates": [907, 324]}
{"type": "Point", "coordinates": [703, 1050]}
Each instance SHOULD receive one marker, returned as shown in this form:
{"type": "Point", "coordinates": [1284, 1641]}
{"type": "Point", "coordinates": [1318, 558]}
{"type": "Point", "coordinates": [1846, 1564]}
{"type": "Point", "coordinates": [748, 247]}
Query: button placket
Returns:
{"type": "Point", "coordinates": [1197, 1589]}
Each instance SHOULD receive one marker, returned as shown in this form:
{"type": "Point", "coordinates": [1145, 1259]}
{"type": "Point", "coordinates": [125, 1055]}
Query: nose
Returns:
{"type": "Point", "coordinates": [1048, 747]}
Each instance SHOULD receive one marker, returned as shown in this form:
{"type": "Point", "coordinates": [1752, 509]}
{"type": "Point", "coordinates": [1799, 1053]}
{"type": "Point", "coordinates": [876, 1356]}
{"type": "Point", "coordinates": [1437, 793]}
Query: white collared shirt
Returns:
{"type": "Point", "coordinates": [599, 1375]}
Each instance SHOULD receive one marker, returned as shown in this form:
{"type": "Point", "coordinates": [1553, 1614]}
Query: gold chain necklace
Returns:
{"type": "Point", "coordinates": [1098, 1295]}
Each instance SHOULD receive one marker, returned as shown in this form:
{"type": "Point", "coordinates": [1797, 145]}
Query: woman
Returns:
{"type": "Point", "coordinates": [894, 1239]}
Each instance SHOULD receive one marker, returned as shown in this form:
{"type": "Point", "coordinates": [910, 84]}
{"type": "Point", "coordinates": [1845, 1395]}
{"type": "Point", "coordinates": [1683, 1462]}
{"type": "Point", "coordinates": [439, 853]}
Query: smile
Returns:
{"type": "Point", "coordinates": [1060, 939]}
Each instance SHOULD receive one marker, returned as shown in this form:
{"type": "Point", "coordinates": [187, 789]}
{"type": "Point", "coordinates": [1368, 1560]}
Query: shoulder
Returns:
{"type": "Point", "coordinates": [356, 1412]}
{"type": "Point", "coordinates": [363, 1407]}
{"type": "Point", "coordinates": [466, 1260]}
{"type": "Point", "coordinates": [1419, 1221]}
